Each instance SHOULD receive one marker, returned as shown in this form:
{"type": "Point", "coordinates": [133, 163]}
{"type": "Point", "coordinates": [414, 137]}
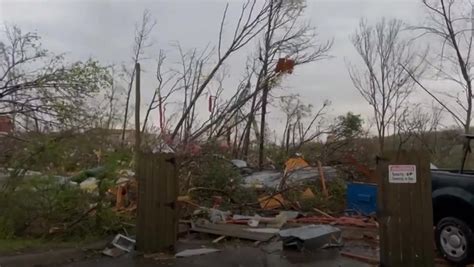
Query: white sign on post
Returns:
{"type": "Point", "coordinates": [402, 174]}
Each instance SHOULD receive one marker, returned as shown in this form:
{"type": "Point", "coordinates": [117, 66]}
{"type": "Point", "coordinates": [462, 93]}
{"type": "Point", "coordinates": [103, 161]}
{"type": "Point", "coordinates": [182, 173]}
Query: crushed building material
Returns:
{"type": "Point", "coordinates": [311, 237]}
{"type": "Point", "coordinates": [344, 220]}
{"type": "Point", "coordinates": [217, 216]}
{"type": "Point", "coordinates": [279, 220]}
{"type": "Point", "coordinates": [253, 223]}
{"type": "Point", "coordinates": [195, 252]}
{"type": "Point", "coordinates": [239, 163]}
{"type": "Point", "coordinates": [263, 230]}
{"type": "Point", "coordinates": [273, 247]}
{"type": "Point", "coordinates": [124, 243]}
{"type": "Point", "coordinates": [231, 230]}
{"type": "Point", "coordinates": [120, 245]}
{"type": "Point", "coordinates": [272, 178]}
{"type": "Point", "coordinates": [272, 222]}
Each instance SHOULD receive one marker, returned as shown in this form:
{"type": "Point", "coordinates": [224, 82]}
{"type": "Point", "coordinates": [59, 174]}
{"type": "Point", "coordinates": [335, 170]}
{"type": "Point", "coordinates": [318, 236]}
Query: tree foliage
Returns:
{"type": "Point", "coordinates": [40, 86]}
{"type": "Point", "coordinates": [348, 125]}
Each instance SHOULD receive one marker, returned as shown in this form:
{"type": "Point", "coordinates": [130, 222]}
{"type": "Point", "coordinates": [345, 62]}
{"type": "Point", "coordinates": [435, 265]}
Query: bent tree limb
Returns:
{"type": "Point", "coordinates": [458, 119]}
{"type": "Point", "coordinates": [249, 26]}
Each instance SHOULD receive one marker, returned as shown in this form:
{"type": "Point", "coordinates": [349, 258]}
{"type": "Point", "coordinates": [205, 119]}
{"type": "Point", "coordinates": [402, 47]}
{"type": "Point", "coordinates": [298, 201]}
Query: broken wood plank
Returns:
{"type": "Point", "coordinates": [323, 181]}
{"type": "Point", "coordinates": [195, 252]}
{"type": "Point", "coordinates": [323, 213]}
{"type": "Point", "coordinates": [217, 240]}
{"type": "Point", "coordinates": [230, 230]}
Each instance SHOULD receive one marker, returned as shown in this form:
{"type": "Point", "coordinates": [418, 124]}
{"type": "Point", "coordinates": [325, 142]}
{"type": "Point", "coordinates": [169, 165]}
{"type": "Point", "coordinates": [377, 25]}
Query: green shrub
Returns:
{"type": "Point", "coordinates": [66, 152]}
{"type": "Point", "coordinates": [41, 204]}
{"type": "Point", "coordinates": [334, 204]}
{"type": "Point", "coordinates": [37, 204]}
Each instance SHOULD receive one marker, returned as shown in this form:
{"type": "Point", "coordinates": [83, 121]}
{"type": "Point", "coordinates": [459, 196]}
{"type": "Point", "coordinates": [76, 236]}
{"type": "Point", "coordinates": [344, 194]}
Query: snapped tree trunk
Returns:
{"type": "Point", "coordinates": [137, 111]}
{"type": "Point", "coordinates": [262, 127]}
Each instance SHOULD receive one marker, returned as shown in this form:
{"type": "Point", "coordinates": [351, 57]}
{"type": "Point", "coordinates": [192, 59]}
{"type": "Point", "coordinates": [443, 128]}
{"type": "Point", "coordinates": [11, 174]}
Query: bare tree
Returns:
{"type": "Point", "coordinates": [302, 125]}
{"type": "Point", "coordinates": [452, 23]}
{"type": "Point", "coordinates": [104, 106]}
{"type": "Point", "coordinates": [109, 103]}
{"type": "Point", "coordinates": [142, 35]}
{"type": "Point", "coordinates": [37, 85]}
{"type": "Point", "coordinates": [418, 126]}
{"type": "Point", "coordinates": [244, 144]}
{"type": "Point", "coordinates": [226, 114]}
{"type": "Point", "coordinates": [193, 68]}
{"type": "Point", "coordinates": [165, 88]}
{"type": "Point", "coordinates": [248, 26]}
{"type": "Point", "coordinates": [382, 80]}
{"type": "Point", "coordinates": [285, 36]}
{"type": "Point", "coordinates": [111, 97]}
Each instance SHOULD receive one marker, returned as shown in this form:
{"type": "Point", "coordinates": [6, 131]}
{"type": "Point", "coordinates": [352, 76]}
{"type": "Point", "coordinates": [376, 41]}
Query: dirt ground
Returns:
{"type": "Point", "coordinates": [241, 255]}
{"type": "Point", "coordinates": [233, 252]}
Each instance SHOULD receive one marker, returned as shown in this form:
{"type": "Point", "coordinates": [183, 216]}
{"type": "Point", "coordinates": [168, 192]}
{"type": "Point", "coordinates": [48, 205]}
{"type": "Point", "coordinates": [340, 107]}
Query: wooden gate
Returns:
{"type": "Point", "coordinates": [157, 195]}
{"type": "Point", "coordinates": [405, 209]}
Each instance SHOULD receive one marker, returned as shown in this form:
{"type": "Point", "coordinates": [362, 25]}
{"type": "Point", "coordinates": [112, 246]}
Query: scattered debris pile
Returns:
{"type": "Point", "coordinates": [234, 230]}
{"type": "Point", "coordinates": [311, 237]}
{"type": "Point", "coordinates": [195, 252]}
{"type": "Point", "coordinates": [297, 171]}
{"type": "Point", "coordinates": [120, 245]}
{"type": "Point", "coordinates": [300, 207]}
{"type": "Point", "coordinates": [291, 209]}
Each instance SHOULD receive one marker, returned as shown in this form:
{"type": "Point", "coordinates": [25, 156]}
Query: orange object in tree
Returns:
{"type": "Point", "coordinates": [285, 65]}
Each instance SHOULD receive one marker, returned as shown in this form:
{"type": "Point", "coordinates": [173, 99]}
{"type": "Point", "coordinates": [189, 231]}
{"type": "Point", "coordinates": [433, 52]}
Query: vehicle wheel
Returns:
{"type": "Point", "coordinates": [455, 240]}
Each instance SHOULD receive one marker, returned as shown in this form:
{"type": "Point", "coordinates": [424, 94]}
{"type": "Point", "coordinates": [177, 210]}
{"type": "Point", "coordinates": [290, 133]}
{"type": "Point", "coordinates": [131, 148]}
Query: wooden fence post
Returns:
{"type": "Point", "coordinates": [405, 209]}
{"type": "Point", "coordinates": [157, 220]}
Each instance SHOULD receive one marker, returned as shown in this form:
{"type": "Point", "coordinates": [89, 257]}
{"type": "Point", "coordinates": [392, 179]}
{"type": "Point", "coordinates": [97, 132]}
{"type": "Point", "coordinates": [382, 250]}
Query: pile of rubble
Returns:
{"type": "Point", "coordinates": [274, 222]}
{"type": "Point", "coordinates": [271, 224]}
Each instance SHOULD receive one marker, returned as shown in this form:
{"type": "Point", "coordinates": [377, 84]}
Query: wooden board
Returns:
{"type": "Point", "coordinates": [157, 195]}
{"type": "Point", "coordinates": [405, 212]}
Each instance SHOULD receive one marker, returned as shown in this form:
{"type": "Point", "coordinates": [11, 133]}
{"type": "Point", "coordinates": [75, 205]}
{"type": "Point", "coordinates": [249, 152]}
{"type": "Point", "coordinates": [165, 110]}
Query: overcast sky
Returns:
{"type": "Point", "coordinates": [104, 29]}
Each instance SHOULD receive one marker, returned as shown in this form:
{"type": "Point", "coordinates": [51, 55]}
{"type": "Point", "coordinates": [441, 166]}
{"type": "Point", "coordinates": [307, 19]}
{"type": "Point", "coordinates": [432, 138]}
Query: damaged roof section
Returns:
{"type": "Point", "coordinates": [272, 178]}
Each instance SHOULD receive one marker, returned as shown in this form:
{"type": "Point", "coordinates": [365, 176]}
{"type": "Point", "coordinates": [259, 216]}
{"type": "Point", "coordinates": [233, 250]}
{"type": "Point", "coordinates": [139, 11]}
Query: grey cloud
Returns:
{"type": "Point", "coordinates": [104, 30]}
